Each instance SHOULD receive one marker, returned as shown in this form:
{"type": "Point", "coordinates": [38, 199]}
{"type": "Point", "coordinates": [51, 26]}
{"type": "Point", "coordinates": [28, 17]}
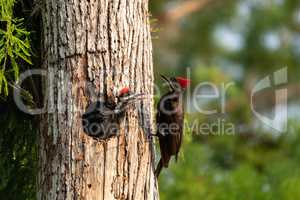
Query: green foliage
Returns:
{"type": "Point", "coordinates": [14, 45]}
{"type": "Point", "coordinates": [253, 163]}
{"type": "Point", "coordinates": [229, 167]}
{"type": "Point", "coordinates": [18, 159]}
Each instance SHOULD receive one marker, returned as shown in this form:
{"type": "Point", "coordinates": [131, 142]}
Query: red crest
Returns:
{"type": "Point", "coordinates": [123, 91]}
{"type": "Point", "coordinates": [183, 82]}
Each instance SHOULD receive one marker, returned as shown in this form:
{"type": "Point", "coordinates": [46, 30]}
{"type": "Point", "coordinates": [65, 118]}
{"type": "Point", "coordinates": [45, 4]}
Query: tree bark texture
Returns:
{"type": "Point", "coordinates": [105, 44]}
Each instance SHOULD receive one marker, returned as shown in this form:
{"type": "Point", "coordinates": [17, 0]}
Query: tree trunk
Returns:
{"type": "Point", "coordinates": [103, 44]}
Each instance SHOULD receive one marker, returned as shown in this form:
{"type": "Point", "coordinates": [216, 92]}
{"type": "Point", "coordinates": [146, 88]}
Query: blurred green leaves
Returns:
{"type": "Point", "coordinates": [254, 163]}
{"type": "Point", "coordinates": [231, 167]}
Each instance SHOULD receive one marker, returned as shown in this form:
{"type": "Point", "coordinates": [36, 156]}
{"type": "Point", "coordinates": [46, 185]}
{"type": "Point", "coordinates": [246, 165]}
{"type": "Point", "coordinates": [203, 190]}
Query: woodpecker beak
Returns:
{"type": "Point", "coordinates": [127, 101]}
{"type": "Point", "coordinates": [168, 81]}
{"type": "Point", "coordinates": [134, 97]}
{"type": "Point", "coordinates": [165, 78]}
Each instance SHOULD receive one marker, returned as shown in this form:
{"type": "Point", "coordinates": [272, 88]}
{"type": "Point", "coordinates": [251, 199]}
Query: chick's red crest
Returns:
{"type": "Point", "coordinates": [183, 82]}
{"type": "Point", "coordinates": [123, 91]}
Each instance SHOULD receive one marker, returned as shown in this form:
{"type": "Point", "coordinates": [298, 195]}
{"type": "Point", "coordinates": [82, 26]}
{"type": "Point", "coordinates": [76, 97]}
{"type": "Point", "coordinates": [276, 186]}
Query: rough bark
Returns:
{"type": "Point", "coordinates": [99, 43]}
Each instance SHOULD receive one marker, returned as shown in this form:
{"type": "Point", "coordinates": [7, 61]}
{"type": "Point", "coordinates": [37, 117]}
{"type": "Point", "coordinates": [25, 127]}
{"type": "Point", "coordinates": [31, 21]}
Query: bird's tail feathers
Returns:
{"type": "Point", "coordinates": [158, 168]}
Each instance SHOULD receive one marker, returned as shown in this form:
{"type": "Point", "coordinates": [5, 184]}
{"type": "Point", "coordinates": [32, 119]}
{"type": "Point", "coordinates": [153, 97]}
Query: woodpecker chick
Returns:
{"type": "Point", "coordinates": [169, 119]}
{"type": "Point", "coordinates": [102, 118]}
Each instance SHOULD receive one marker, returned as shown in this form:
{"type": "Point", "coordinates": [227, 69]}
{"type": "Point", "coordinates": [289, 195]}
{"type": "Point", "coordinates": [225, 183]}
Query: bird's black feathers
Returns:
{"type": "Point", "coordinates": [101, 119]}
{"type": "Point", "coordinates": [169, 119]}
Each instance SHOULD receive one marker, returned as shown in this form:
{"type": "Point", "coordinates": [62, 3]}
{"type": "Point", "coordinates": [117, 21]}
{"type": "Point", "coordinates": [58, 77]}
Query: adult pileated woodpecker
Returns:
{"type": "Point", "coordinates": [169, 119]}
{"type": "Point", "coordinates": [102, 118]}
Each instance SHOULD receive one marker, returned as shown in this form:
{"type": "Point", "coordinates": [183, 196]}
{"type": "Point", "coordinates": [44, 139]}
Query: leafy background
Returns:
{"type": "Point", "coordinates": [239, 41]}
{"type": "Point", "coordinates": [19, 50]}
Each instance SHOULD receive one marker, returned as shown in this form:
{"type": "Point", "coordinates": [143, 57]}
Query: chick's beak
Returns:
{"type": "Point", "coordinates": [134, 97]}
